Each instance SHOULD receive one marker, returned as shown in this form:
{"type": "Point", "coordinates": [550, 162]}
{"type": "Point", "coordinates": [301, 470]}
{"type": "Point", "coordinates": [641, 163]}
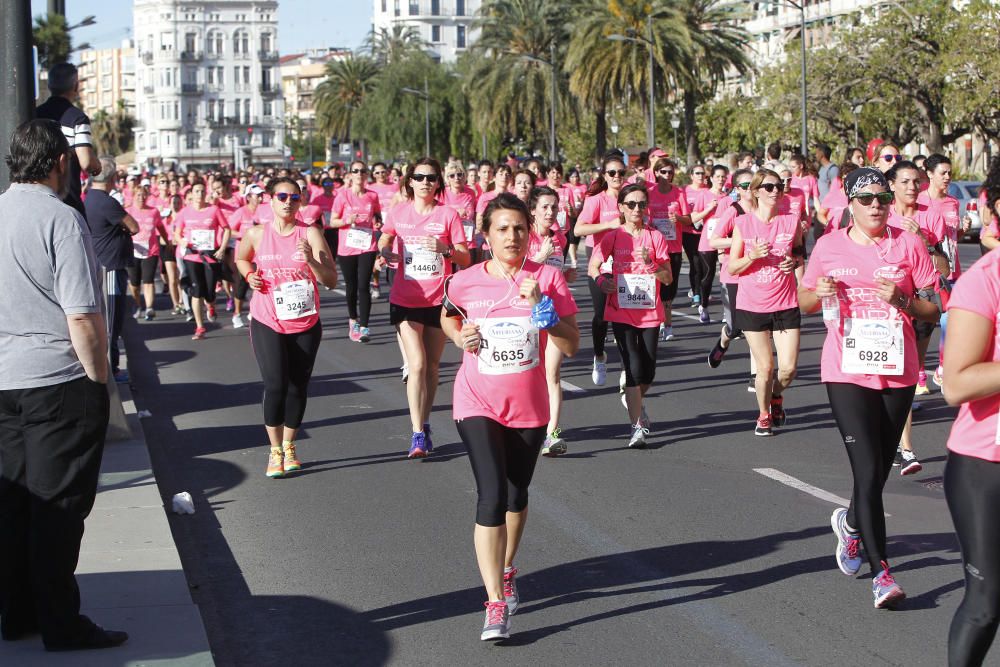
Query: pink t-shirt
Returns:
{"type": "Point", "coordinates": [976, 428]}
{"type": "Point", "coordinates": [692, 194]}
{"type": "Point", "coordinates": [505, 381]}
{"type": "Point", "coordinates": [661, 207]}
{"type": "Point", "coordinates": [835, 202]}
{"type": "Point", "coordinates": [360, 237]}
{"type": "Point", "coordinates": [567, 206]}
{"type": "Point", "coordinates": [930, 223]}
{"type": "Point", "coordinates": [764, 288]}
{"type": "Point", "coordinates": [423, 272]}
{"type": "Point", "coordinates": [464, 203]}
{"type": "Point", "coordinates": [194, 226]}
{"type": "Point", "coordinates": [325, 204]}
{"type": "Point", "coordinates": [708, 224]}
{"type": "Point", "coordinates": [724, 230]}
{"type": "Point", "coordinates": [855, 267]}
{"type": "Point", "coordinates": [385, 192]}
{"type": "Point", "coordinates": [289, 284]}
{"type": "Point", "coordinates": [597, 209]}
{"type": "Point", "coordinates": [147, 242]}
{"type": "Point", "coordinates": [947, 208]}
{"type": "Point", "coordinates": [485, 199]}
{"type": "Point", "coordinates": [558, 240]}
{"type": "Point", "coordinates": [793, 201]}
{"type": "Point", "coordinates": [311, 214]}
{"type": "Point", "coordinates": [621, 245]}
{"type": "Point", "coordinates": [244, 218]}
{"type": "Point", "coordinates": [228, 206]}
{"type": "Point", "coordinates": [579, 194]}
{"type": "Point", "coordinates": [809, 187]}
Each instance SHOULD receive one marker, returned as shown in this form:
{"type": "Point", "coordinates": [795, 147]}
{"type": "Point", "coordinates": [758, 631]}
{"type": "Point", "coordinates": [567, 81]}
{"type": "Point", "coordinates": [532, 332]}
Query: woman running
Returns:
{"type": "Point", "coordinates": [547, 245]}
{"type": "Point", "coordinates": [640, 260]}
{"type": "Point", "coordinates": [579, 191]}
{"type": "Point", "coordinates": [433, 239]}
{"type": "Point", "coordinates": [462, 198]}
{"type": "Point", "coordinates": [524, 182]}
{"type": "Point", "coordinates": [870, 280]}
{"type": "Point", "coordinates": [710, 207]}
{"type": "Point", "coordinates": [204, 233]}
{"type": "Point", "coordinates": [599, 216]}
{"type": "Point", "coordinates": [497, 186]}
{"type": "Point", "coordinates": [691, 235]}
{"type": "Point", "coordinates": [250, 214]}
{"type": "Point", "coordinates": [357, 215]}
{"type": "Point", "coordinates": [766, 250]}
{"type": "Point", "coordinates": [281, 261]}
{"type": "Point", "coordinates": [501, 314]}
{"type": "Point", "coordinates": [668, 212]}
{"type": "Point", "coordinates": [168, 253]}
{"type": "Point", "coordinates": [972, 474]}
{"type": "Point", "coordinates": [146, 249]}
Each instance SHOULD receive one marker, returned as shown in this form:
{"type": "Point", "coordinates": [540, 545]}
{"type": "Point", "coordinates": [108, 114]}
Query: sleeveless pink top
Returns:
{"type": "Point", "coordinates": [288, 302]}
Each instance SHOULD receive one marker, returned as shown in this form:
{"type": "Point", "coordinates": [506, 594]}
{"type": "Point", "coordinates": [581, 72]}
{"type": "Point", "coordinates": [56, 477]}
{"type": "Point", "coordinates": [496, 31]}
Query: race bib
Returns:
{"type": "Point", "coordinates": [422, 264]}
{"type": "Point", "coordinates": [666, 227]}
{"type": "Point", "coordinates": [561, 219]}
{"type": "Point", "coordinates": [359, 238]}
{"type": "Point", "coordinates": [470, 230]}
{"type": "Point", "coordinates": [710, 226]}
{"type": "Point", "coordinates": [509, 345]}
{"type": "Point", "coordinates": [203, 239]}
{"type": "Point", "coordinates": [872, 347]}
{"type": "Point", "coordinates": [295, 299]}
{"type": "Point", "coordinates": [636, 291]}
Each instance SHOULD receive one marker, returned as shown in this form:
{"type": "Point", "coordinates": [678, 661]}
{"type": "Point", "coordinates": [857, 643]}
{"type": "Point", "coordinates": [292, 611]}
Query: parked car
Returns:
{"type": "Point", "coordinates": [967, 194]}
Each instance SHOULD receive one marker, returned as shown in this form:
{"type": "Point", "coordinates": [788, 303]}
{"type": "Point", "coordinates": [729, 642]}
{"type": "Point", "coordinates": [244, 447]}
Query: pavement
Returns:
{"type": "Point", "coordinates": [130, 572]}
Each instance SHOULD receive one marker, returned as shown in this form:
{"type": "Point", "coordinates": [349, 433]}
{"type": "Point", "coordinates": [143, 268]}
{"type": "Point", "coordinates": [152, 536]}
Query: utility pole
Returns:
{"type": "Point", "coordinates": [17, 75]}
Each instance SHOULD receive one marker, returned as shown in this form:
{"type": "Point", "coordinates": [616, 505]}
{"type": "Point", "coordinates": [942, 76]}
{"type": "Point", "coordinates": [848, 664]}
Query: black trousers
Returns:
{"type": "Point", "coordinates": [696, 266]}
{"type": "Point", "coordinates": [357, 270]}
{"type": "Point", "coordinates": [51, 443]}
{"type": "Point", "coordinates": [638, 349]}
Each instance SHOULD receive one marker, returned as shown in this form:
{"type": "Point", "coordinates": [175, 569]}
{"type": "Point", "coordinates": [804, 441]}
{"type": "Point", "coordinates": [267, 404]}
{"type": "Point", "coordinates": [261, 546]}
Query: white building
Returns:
{"type": "Point", "coordinates": [207, 82]}
{"type": "Point", "coordinates": [444, 24]}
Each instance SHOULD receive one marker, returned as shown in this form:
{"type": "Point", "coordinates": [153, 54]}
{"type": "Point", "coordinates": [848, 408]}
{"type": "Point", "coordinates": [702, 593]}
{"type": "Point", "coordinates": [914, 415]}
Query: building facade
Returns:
{"type": "Point", "coordinates": [446, 25]}
{"type": "Point", "coordinates": [107, 80]}
{"type": "Point", "coordinates": [207, 82]}
{"type": "Point", "coordinates": [301, 73]}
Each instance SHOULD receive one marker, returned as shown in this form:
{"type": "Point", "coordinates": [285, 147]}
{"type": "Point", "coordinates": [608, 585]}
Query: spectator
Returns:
{"type": "Point", "coordinates": [53, 396]}
{"type": "Point", "coordinates": [827, 169]}
{"type": "Point", "coordinates": [773, 156]}
{"type": "Point", "coordinates": [64, 84]}
{"type": "Point", "coordinates": [112, 229]}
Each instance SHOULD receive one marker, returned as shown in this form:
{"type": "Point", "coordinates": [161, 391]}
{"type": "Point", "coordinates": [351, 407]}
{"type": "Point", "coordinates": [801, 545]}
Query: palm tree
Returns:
{"type": "Point", "coordinates": [602, 70]}
{"type": "Point", "coordinates": [53, 40]}
{"type": "Point", "coordinates": [512, 75]}
{"type": "Point", "coordinates": [718, 46]}
{"type": "Point", "coordinates": [112, 132]}
{"type": "Point", "coordinates": [388, 46]}
{"type": "Point", "coordinates": [340, 95]}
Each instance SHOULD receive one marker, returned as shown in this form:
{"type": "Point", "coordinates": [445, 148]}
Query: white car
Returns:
{"type": "Point", "coordinates": [967, 194]}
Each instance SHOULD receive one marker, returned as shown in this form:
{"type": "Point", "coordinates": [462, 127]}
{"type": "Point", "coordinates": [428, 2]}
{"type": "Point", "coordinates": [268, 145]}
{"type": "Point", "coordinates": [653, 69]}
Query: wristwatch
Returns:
{"type": "Point", "coordinates": [448, 253]}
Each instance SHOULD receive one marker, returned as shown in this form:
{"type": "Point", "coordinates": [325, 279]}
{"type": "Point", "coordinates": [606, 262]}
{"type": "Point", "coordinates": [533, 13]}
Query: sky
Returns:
{"type": "Point", "coordinates": [302, 24]}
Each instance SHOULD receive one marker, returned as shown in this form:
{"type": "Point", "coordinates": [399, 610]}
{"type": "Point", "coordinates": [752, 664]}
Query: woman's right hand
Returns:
{"type": "Point", "coordinates": [825, 287]}
{"type": "Point", "coordinates": [469, 337]}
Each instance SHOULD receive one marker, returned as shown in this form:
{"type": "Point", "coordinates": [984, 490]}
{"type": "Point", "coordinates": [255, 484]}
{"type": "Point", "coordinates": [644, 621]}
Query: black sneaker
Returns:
{"type": "Point", "coordinates": [90, 636]}
{"type": "Point", "coordinates": [752, 387]}
{"type": "Point", "coordinates": [716, 355]}
{"type": "Point", "coordinates": [909, 464]}
{"type": "Point", "coordinates": [898, 461]}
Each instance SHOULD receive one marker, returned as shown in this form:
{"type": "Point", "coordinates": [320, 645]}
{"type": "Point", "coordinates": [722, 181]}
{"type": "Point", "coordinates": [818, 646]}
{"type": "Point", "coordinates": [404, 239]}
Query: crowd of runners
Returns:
{"type": "Point", "coordinates": [482, 256]}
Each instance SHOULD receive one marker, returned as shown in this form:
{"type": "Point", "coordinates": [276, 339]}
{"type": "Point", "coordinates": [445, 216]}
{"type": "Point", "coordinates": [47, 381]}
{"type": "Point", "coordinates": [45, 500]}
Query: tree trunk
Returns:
{"type": "Point", "coordinates": [691, 128]}
{"type": "Point", "coordinates": [601, 127]}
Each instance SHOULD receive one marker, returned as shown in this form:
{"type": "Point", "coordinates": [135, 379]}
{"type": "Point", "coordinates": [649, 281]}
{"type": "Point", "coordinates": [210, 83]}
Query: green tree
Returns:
{"type": "Point", "coordinates": [342, 93]}
{"type": "Point", "coordinates": [389, 46]}
{"type": "Point", "coordinates": [973, 63]}
{"type": "Point", "coordinates": [112, 132]}
{"type": "Point", "coordinates": [52, 39]}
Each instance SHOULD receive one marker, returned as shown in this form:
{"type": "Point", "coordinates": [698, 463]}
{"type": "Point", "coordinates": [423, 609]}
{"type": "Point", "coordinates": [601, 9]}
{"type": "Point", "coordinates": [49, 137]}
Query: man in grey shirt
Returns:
{"type": "Point", "coordinates": [53, 396]}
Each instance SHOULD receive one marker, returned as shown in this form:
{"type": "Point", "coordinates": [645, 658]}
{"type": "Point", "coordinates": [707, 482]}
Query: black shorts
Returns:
{"type": "Point", "coordinates": [168, 253]}
{"type": "Point", "coordinates": [143, 271]}
{"type": "Point", "coordinates": [429, 316]}
{"type": "Point", "coordinates": [922, 329]}
{"type": "Point", "coordinates": [781, 320]}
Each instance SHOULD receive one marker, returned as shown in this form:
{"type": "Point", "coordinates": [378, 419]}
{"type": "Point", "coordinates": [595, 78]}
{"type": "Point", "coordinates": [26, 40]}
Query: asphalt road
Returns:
{"type": "Point", "coordinates": [688, 553]}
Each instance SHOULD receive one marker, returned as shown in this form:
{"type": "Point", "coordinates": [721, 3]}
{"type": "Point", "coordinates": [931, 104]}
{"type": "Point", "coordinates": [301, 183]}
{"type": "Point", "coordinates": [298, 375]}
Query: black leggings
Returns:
{"type": "Point", "coordinates": [332, 237]}
{"type": "Point", "coordinates": [709, 259]}
{"type": "Point", "coordinates": [357, 270]}
{"type": "Point", "coordinates": [286, 364]}
{"type": "Point", "coordinates": [870, 422]}
{"type": "Point", "coordinates": [669, 292]}
{"type": "Point", "coordinates": [972, 487]}
{"type": "Point", "coordinates": [202, 277]}
{"type": "Point", "coordinates": [503, 462]}
{"type": "Point", "coordinates": [696, 270]}
{"type": "Point", "coordinates": [598, 327]}
{"type": "Point", "coordinates": [638, 350]}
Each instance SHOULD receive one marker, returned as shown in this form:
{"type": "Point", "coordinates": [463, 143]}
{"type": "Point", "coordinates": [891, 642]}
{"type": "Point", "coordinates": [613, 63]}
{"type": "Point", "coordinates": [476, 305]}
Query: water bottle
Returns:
{"type": "Point", "coordinates": [831, 309]}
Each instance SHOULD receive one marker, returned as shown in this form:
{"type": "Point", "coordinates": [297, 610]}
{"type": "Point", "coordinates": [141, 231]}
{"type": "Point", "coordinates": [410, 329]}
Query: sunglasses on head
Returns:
{"type": "Point", "coordinates": [892, 158]}
{"type": "Point", "coordinates": [771, 187]}
{"type": "Point", "coordinates": [632, 204]}
{"type": "Point", "coordinates": [420, 178]}
{"type": "Point", "coordinates": [866, 198]}
{"type": "Point", "coordinates": [614, 173]}
{"type": "Point", "coordinates": [285, 196]}
{"type": "Point", "coordinates": [359, 171]}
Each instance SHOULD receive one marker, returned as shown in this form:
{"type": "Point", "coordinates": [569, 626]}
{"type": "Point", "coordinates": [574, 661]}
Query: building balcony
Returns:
{"type": "Point", "coordinates": [191, 56]}
{"type": "Point", "coordinates": [192, 89]}
{"type": "Point", "coordinates": [147, 90]}
{"type": "Point", "coordinates": [270, 89]}
{"type": "Point", "coordinates": [244, 122]}
{"type": "Point", "coordinates": [147, 57]}
{"type": "Point", "coordinates": [267, 55]}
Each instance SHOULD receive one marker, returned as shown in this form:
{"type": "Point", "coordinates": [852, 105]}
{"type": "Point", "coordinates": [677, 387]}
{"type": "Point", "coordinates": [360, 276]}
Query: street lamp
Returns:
{"type": "Point", "coordinates": [856, 107]}
{"type": "Point", "coordinates": [614, 131]}
{"type": "Point", "coordinates": [426, 97]}
{"type": "Point", "coordinates": [553, 157]}
{"type": "Point", "coordinates": [87, 20]}
{"type": "Point", "coordinates": [675, 123]}
{"type": "Point", "coordinates": [801, 6]}
{"type": "Point", "coordinates": [650, 45]}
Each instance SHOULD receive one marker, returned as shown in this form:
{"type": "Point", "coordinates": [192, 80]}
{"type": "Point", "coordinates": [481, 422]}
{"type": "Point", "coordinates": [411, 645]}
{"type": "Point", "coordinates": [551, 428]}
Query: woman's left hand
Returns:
{"type": "Point", "coordinates": [303, 246]}
{"type": "Point", "coordinates": [888, 291]}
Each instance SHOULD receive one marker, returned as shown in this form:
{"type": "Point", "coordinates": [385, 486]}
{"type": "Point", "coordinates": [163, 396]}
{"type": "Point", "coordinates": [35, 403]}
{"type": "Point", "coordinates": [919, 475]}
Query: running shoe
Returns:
{"type": "Point", "coordinates": [703, 316]}
{"type": "Point", "coordinates": [428, 443]}
{"type": "Point", "coordinates": [939, 376]}
{"type": "Point", "coordinates": [497, 624]}
{"type": "Point", "coordinates": [909, 464]}
{"type": "Point", "coordinates": [137, 314]}
{"type": "Point", "coordinates": [621, 383]}
{"type": "Point", "coordinates": [418, 446]}
{"type": "Point", "coordinates": [554, 444]}
{"type": "Point", "coordinates": [188, 316]}
{"type": "Point", "coordinates": [121, 376]}
{"type": "Point", "coordinates": [275, 464]}
{"type": "Point", "coordinates": [510, 590]}
{"type": "Point", "coordinates": [376, 293]}
{"type": "Point", "coordinates": [364, 334]}
{"type": "Point", "coordinates": [238, 322]}
{"type": "Point", "coordinates": [763, 427]}
{"type": "Point", "coordinates": [663, 332]}
{"type": "Point", "coordinates": [354, 333]}
{"type": "Point", "coordinates": [848, 551]}
{"type": "Point", "coordinates": [922, 388]}
{"type": "Point", "coordinates": [211, 314]}
{"type": "Point", "coordinates": [178, 310]}
{"type": "Point", "coordinates": [292, 462]}
{"type": "Point", "coordinates": [150, 315]}
{"type": "Point", "coordinates": [638, 440]}
{"type": "Point", "coordinates": [600, 373]}
{"type": "Point", "coordinates": [690, 294]}
{"type": "Point", "coordinates": [778, 411]}
{"type": "Point", "coordinates": [199, 333]}
{"type": "Point", "coordinates": [695, 300]}
{"type": "Point", "coordinates": [898, 459]}
{"type": "Point", "coordinates": [406, 372]}
{"type": "Point", "coordinates": [230, 305]}
{"type": "Point", "coordinates": [717, 354]}
{"type": "Point", "coordinates": [666, 332]}
{"type": "Point", "coordinates": [752, 387]}
{"type": "Point", "coordinates": [885, 590]}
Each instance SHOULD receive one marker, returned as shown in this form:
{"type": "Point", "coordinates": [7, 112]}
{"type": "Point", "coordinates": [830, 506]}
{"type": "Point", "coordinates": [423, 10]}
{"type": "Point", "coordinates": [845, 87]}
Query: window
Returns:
{"type": "Point", "coordinates": [459, 7]}
{"type": "Point", "coordinates": [414, 7]}
{"type": "Point", "coordinates": [190, 42]}
{"type": "Point", "coordinates": [435, 7]}
{"type": "Point", "coordinates": [177, 110]}
{"type": "Point", "coordinates": [395, 7]}
{"type": "Point", "coordinates": [215, 43]}
{"type": "Point", "coordinates": [191, 141]}
{"type": "Point", "coordinates": [435, 34]}
{"type": "Point", "coordinates": [246, 111]}
{"type": "Point", "coordinates": [241, 42]}
{"type": "Point", "coordinates": [267, 139]}
{"type": "Point", "coordinates": [215, 141]}
{"type": "Point", "coordinates": [167, 140]}
{"type": "Point", "coordinates": [265, 42]}
{"type": "Point", "coordinates": [140, 142]}
{"type": "Point", "coordinates": [219, 78]}
{"type": "Point", "coordinates": [246, 76]}
{"type": "Point", "coordinates": [267, 108]}
{"type": "Point", "coordinates": [383, 6]}
{"type": "Point", "coordinates": [152, 141]}
{"type": "Point", "coordinates": [460, 36]}
{"type": "Point", "coordinates": [106, 82]}
{"type": "Point", "coordinates": [236, 77]}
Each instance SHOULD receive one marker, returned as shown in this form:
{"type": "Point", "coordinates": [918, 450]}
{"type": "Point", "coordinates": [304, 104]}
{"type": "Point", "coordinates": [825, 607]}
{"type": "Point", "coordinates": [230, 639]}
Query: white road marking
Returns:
{"type": "Point", "coordinates": [339, 291]}
{"type": "Point", "coordinates": [572, 388]}
{"type": "Point", "coordinates": [795, 483]}
{"type": "Point", "coordinates": [687, 317]}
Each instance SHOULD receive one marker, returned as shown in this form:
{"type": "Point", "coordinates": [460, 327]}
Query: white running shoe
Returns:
{"type": "Point", "coordinates": [638, 440]}
{"type": "Point", "coordinates": [666, 333]}
{"type": "Point", "coordinates": [376, 293]}
{"type": "Point", "coordinates": [238, 322]}
{"type": "Point", "coordinates": [621, 383]}
{"type": "Point", "coordinates": [600, 373]}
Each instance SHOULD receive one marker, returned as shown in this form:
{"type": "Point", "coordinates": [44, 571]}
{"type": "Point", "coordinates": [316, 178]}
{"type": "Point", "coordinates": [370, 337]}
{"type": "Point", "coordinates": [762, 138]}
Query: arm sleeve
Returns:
{"type": "Point", "coordinates": [75, 266]}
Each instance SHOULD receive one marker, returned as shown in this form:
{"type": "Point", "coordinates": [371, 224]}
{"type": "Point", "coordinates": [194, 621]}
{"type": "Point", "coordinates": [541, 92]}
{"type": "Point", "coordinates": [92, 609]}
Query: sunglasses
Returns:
{"type": "Point", "coordinates": [327, 184]}
{"type": "Point", "coordinates": [380, 172]}
{"type": "Point", "coordinates": [632, 204]}
{"type": "Point", "coordinates": [697, 173]}
{"type": "Point", "coordinates": [456, 175]}
{"type": "Point", "coordinates": [771, 187]}
{"type": "Point", "coordinates": [866, 198]}
{"type": "Point", "coordinates": [892, 158]}
{"type": "Point", "coordinates": [420, 178]}
{"type": "Point", "coordinates": [744, 185]}
{"type": "Point", "coordinates": [665, 171]}
{"type": "Point", "coordinates": [285, 196]}
{"type": "Point", "coordinates": [614, 173]}
{"type": "Point", "coordinates": [359, 171]}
